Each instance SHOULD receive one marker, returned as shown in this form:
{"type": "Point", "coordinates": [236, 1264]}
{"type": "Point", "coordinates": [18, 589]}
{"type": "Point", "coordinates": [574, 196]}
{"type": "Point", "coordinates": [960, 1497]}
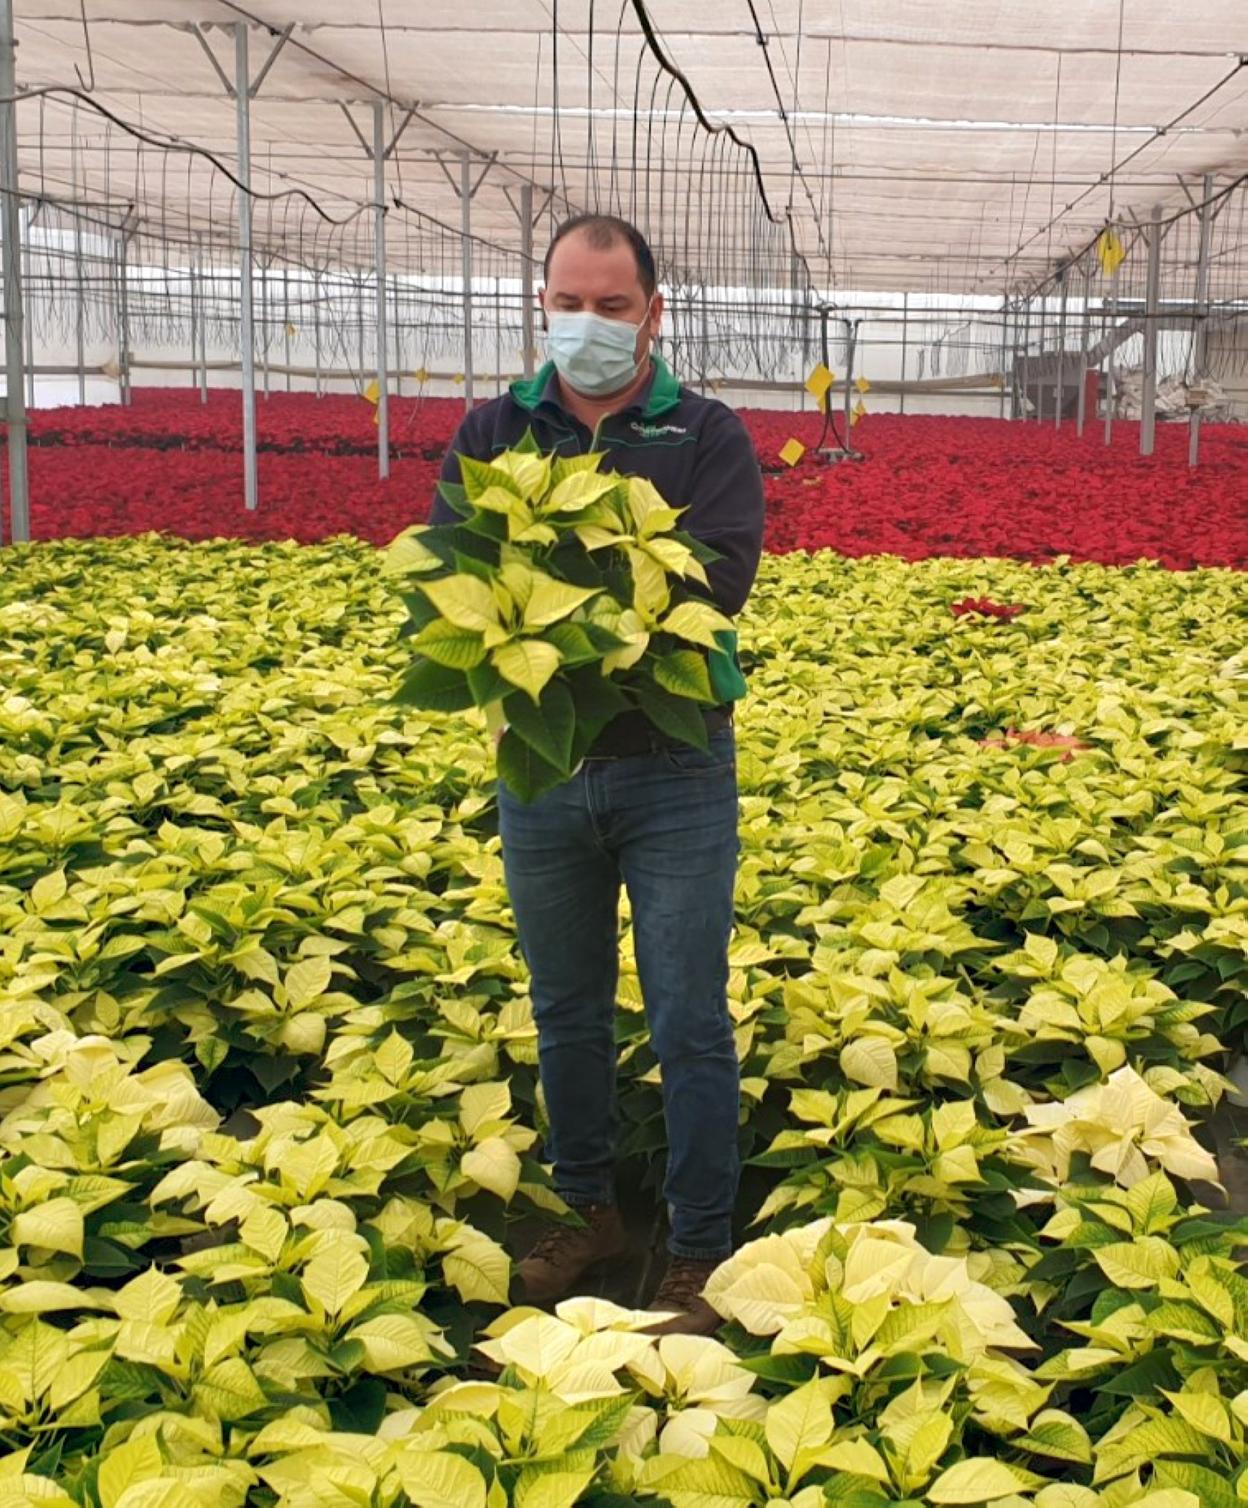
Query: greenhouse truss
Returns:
{"type": "Point", "coordinates": [813, 178]}
{"type": "Point", "coordinates": [673, 935]}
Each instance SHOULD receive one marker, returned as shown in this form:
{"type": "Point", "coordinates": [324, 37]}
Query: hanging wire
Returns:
{"type": "Point", "coordinates": [1113, 136]}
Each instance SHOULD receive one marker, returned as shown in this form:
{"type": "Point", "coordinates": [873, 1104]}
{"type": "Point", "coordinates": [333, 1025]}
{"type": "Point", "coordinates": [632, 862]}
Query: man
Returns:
{"type": "Point", "coordinates": [642, 810]}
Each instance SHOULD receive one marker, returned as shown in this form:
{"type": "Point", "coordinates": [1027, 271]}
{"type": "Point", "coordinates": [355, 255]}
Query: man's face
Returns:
{"type": "Point", "coordinates": [601, 280]}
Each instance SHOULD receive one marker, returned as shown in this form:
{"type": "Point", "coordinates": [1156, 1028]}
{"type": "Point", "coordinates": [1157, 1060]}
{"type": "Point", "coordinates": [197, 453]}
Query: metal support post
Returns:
{"type": "Point", "coordinates": [28, 284]}
{"type": "Point", "coordinates": [247, 332]}
{"type": "Point", "coordinates": [1111, 396]}
{"type": "Point", "coordinates": [80, 315]}
{"type": "Point", "coordinates": [397, 347]}
{"type": "Point", "coordinates": [498, 336]}
{"type": "Point", "coordinates": [123, 317]}
{"type": "Point", "coordinates": [794, 315]}
{"type": "Point", "coordinates": [1200, 336]}
{"type": "Point", "coordinates": [1152, 305]}
{"type": "Point", "coordinates": [1085, 334]}
{"type": "Point", "coordinates": [905, 336]}
{"type": "Point", "coordinates": [706, 340]}
{"type": "Point", "coordinates": [10, 219]}
{"type": "Point", "coordinates": [1025, 362]}
{"type": "Point", "coordinates": [1015, 401]}
{"type": "Point", "coordinates": [203, 326]}
{"type": "Point", "coordinates": [806, 337]}
{"type": "Point", "coordinates": [316, 326]}
{"type": "Point", "coordinates": [359, 333]}
{"type": "Point", "coordinates": [1005, 331]}
{"type": "Point", "coordinates": [192, 280]}
{"type": "Point", "coordinates": [286, 322]}
{"type": "Point", "coordinates": [266, 330]}
{"type": "Point", "coordinates": [851, 341]}
{"type": "Point", "coordinates": [465, 205]}
{"type": "Point", "coordinates": [383, 337]}
{"type": "Point", "coordinates": [526, 277]}
{"type": "Point", "coordinates": [1059, 392]}
{"type": "Point", "coordinates": [1043, 313]}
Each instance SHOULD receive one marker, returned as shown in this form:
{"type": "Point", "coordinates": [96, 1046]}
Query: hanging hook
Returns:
{"type": "Point", "coordinates": [86, 35]}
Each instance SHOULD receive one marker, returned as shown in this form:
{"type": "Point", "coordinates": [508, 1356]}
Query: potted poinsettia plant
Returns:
{"type": "Point", "coordinates": [562, 596]}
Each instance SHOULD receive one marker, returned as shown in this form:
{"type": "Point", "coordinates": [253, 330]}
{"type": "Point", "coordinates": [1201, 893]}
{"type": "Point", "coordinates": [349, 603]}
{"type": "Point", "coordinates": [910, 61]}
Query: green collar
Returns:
{"type": "Point", "coordinates": [660, 396]}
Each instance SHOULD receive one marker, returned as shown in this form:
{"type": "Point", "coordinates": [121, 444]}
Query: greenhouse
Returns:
{"type": "Point", "coordinates": [623, 754]}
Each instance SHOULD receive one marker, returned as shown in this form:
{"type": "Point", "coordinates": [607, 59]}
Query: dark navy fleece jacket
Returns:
{"type": "Point", "coordinates": [695, 450]}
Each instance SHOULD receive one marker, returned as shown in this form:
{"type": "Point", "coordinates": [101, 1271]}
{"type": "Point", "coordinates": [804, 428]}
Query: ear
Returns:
{"type": "Point", "coordinates": [541, 308]}
{"type": "Point", "coordinates": [656, 315]}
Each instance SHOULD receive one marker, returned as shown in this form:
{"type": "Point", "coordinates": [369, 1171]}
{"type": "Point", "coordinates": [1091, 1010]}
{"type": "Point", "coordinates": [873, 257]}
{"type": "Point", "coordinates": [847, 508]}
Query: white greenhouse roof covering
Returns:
{"type": "Point", "coordinates": [953, 147]}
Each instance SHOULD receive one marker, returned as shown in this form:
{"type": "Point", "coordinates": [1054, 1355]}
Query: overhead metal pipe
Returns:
{"type": "Point", "coordinates": [246, 322]}
{"type": "Point", "coordinates": [10, 221]}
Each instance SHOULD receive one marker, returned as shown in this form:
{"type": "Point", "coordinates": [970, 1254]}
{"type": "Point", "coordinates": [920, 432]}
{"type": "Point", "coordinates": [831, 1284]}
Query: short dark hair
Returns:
{"type": "Point", "coordinates": [603, 231]}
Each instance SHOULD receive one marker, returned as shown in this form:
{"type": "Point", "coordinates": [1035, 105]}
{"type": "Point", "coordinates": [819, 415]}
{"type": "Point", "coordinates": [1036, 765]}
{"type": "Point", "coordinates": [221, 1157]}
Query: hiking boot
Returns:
{"type": "Point", "coordinates": [680, 1294]}
{"type": "Point", "coordinates": [564, 1254]}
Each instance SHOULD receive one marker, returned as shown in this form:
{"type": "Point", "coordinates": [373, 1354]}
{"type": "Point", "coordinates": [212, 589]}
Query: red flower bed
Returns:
{"type": "Point", "coordinates": [985, 607]}
{"type": "Point", "coordinates": [174, 419]}
{"type": "Point", "coordinates": [927, 485]}
{"type": "Point", "coordinates": [973, 487]}
{"type": "Point", "coordinates": [94, 490]}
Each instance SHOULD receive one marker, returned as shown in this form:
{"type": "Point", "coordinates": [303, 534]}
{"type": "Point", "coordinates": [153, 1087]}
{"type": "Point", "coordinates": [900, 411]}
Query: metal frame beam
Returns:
{"type": "Point", "coordinates": [254, 89]}
{"type": "Point", "coordinates": [203, 322]}
{"type": "Point", "coordinates": [246, 324]}
{"type": "Point", "coordinates": [125, 352]}
{"type": "Point", "coordinates": [1200, 336]}
{"type": "Point", "coordinates": [383, 336]}
{"type": "Point", "coordinates": [528, 333]}
{"type": "Point", "coordinates": [26, 223]}
{"type": "Point", "coordinates": [467, 190]}
{"type": "Point", "coordinates": [466, 187]}
{"type": "Point", "coordinates": [242, 90]}
{"type": "Point", "coordinates": [1085, 335]}
{"type": "Point", "coordinates": [1111, 395]}
{"type": "Point", "coordinates": [1152, 307]}
{"type": "Point", "coordinates": [10, 218]}
{"type": "Point", "coordinates": [1059, 387]}
{"type": "Point", "coordinates": [231, 87]}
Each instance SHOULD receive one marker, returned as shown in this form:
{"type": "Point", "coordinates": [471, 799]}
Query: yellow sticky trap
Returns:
{"type": "Point", "coordinates": [819, 381]}
{"type": "Point", "coordinates": [1111, 251]}
{"type": "Point", "coordinates": [291, 331]}
{"type": "Point", "coordinates": [458, 377]}
{"type": "Point", "coordinates": [859, 412]}
{"type": "Point", "coordinates": [421, 375]}
{"type": "Point", "coordinates": [372, 393]}
{"type": "Point", "coordinates": [862, 385]}
{"type": "Point", "coordinates": [792, 452]}
{"type": "Point", "coordinates": [716, 385]}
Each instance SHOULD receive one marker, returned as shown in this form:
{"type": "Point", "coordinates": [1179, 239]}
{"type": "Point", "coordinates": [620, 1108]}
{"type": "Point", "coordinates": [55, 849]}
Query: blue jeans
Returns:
{"type": "Point", "coordinates": [665, 825]}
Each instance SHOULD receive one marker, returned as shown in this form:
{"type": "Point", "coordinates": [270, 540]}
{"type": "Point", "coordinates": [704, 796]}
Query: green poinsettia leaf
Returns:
{"type": "Point", "coordinates": [546, 725]}
{"type": "Point", "coordinates": [574, 644]}
{"type": "Point", "coordinates": [456, 648]}
{"type": "Point", "coordinates": [527, 663]}
{"type": "Point", "coordinates": [434, 688]}
{"type": "Point", "coordinates": [676, 716]}
{"type": "Point", "coordinates": [522, 769]}
{"type": "Point", "coordinates": [479, 476]}
{"type": "Point", "coordinates": [455, 495]}
{"type": "Point", "coordinates": [684, 673]}
{"type": "Point", "coordinates": [487, 685]}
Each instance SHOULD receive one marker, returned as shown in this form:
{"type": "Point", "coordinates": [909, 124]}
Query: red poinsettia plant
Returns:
{"type": "Point", "coordinates": [985, 607]}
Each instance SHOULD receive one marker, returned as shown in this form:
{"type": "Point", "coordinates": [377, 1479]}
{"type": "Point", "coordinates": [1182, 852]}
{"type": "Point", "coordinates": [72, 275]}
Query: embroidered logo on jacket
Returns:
{"type": "Point", "coordinates": [656, 431]}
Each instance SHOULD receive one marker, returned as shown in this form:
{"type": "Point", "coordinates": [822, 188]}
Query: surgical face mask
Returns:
{"type": "Point", "coordinates": [593, 355]}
